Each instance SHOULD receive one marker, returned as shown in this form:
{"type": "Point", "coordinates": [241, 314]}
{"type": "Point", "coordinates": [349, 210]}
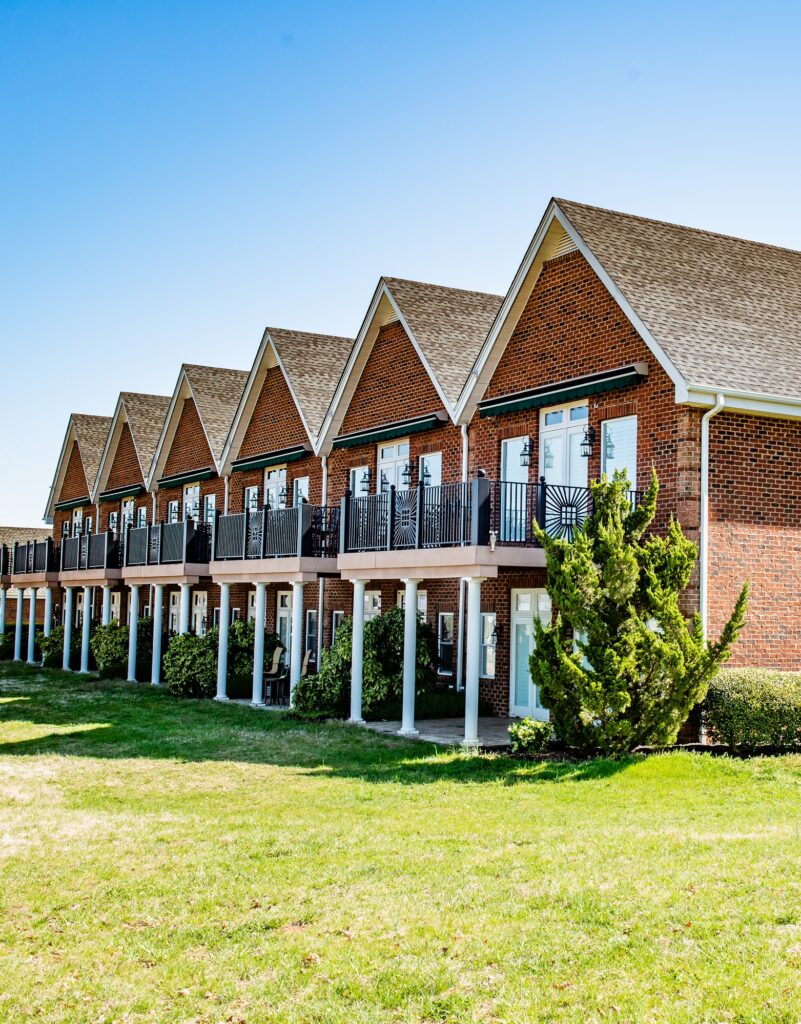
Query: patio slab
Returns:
{"type": "Point", "coordinates": [493, 733]}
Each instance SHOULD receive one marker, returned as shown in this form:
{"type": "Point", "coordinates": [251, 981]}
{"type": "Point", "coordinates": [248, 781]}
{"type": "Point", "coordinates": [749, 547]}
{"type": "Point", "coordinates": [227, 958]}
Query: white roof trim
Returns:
{"type": "Point", "coordinates": [357, 360]}
{"type": "Point", "coordinates": [119, 418]}
{"type": "Point", "coordinates": [512, 308]}
{"type": "Point", "coordinates": [753, 402]}
{"type": "Point", "coordinates": [244, 411]}
{"type": "Point", "coordinates": [61, 470]}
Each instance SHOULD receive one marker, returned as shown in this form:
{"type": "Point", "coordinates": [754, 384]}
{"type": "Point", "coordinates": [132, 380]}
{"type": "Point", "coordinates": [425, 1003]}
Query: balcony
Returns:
{"type": "Point", "coordinates": [34, 561]}
{"type": "Point", "coordinates": [167, 544]}
{"type": "Point", "coordinates": [5, 561]}
{"type": "Point", "coordinates": [491, 521]}
{"type": "Point", "coordinates": [279, 544]}
{"type": "Point", "coordinates": [90, 552]}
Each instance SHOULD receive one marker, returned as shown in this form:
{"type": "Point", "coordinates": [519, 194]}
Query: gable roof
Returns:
{"type": "Point", "coordinates": [216, 392]}
{"type": "Point", "coordinates": [721, 314]}
{"type": "Point", "coordinates": [90, 433]}
{"type": "Point", "coordinates": [311, 364]}
{"type": "Point", "coordinates": [446, 326]}
{"type": "Point", "coordinates": [144, 415]}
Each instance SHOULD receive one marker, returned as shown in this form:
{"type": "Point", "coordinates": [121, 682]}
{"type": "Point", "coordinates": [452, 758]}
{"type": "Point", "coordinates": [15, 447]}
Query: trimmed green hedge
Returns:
{"type": "Point", "coordinates": [750, 708]}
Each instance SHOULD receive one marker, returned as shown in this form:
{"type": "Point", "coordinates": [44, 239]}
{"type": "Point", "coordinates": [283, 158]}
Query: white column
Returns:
{"type": "Point", "coordinates": [183, 615]}
{"type": "Point", "coordinates": [2, 611]}
{"type": "Point", "coordinates": [296, 637]}
{"type": "Point", "coordinates": [18, 633]}
{"type": "Point", "coordinates": [48, 611]}
{"type": "Point", "coordinates": [88, 595]}
{"type": "Point", "coordinates": [409, 658]}
{"type": "Point", "coordinates": [65, 663]}
{"type": "Point", "coordinates": [258, 645]}
{"type": "Point", "coordinates": [222, 650]}
{"type": "Point", "coordinates": [157, 608]}
{"type": "Point", "coordinates": [32, 626]}
{"type": "Point", "coordinates": [357, 654]}
{"type": "Point", "coordinates": [133, 632]}
{"type": "Point", "coordinates": [473, 661]}
{"type": "Point", "coordinates": [106, 616]}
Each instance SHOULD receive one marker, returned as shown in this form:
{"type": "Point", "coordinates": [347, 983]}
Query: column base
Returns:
{"type": "Point", "coordinates": [223, 700]}
{"type": "Point", "coordinates": [471, 745]}
{"type": "Point", "coordinates": [159, 685]}
{"type": "Point", "coordinates": [355, 721]}
{"type": "Point", "coordinates": [256, 704]}
{"type": "Point", "coordinates": [411, 733]}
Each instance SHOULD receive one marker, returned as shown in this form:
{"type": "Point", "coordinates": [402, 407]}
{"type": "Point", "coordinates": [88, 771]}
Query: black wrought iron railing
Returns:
{"type": "Point", "coordinates": [482, 512]}
{"type": "Point", "coordinates": [35, 557]}
{"type": "Point", "coordinates": [5, 560]}
{"type": "Point", "coordinates": [168, 544]}
{"type": "Point", "coordinates": [302, 531]}
{"type": "Point", "coordinates": [90, 551]}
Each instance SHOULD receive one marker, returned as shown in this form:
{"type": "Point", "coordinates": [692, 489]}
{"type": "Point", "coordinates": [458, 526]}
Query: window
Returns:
{"type": "Point", "coordinates": [431, 469]}
{"type": "Point", "coordinates": [251, 605]}
{"type": "Point", "coordinates": [445, 643]}
{"type": "Point", "coordinates": [172, 511]}
{"type": "Point", "coordinates": [215, 617]}
{"type": "Point", "coordinates": [392, 462]}
{"type": "Point", "coordinates": [488, 643]}
{"type": "Point", "coordinates": [372, 604]}
{"type": "Point", "coordinates": [275, 488]}
{"type": "Point", "coordinates": [128, 512]}
{"type": "Point", "coordinates": [311, 633]}
{"type": "Point", "coordinates": [236, 614]}
{"type": "Point", "coordinates": [141, 516]}
{"type": "Point", "coordinates": [337, 618]}
{"type": "Point", "coordinates": [356, 476]}
{"type": "Point", "coordinates": [191, 501]}
{"type": "Point", "coordinates": [87, 524]}
{"type": "Point", "coordinates": [422, 602]}
{"type": "Point", "coordinates": [77, 522]}
{"type": "Point", "coordinates": [619, 447]}
{"type": "Point", "coordinates": [65, 528]}
{"type": "Point", "coordinates": [300, 490]}
{"type": "Point", "coordinates": [209, 507]}
{"type": "Point", "coordinates": [113, 521]}
{"type": "Point", "coordinates": [251, 499]}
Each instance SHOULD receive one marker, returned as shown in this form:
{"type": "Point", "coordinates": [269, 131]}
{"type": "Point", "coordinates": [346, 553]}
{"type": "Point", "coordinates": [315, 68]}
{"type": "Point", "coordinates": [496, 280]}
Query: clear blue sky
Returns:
{"type": "Point", "coordinates": [174, 176]}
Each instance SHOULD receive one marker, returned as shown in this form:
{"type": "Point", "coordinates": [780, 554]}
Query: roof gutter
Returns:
{"type": "Point", "coordinates": [703, 545]}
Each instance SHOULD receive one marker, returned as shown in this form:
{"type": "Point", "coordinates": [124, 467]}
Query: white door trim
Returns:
{"type": "Point", "coordinates": [533, 709]}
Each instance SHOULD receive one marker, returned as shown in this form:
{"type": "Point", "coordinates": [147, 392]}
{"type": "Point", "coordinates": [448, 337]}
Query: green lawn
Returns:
{"type": "Point", "coordinates": [178, 861]}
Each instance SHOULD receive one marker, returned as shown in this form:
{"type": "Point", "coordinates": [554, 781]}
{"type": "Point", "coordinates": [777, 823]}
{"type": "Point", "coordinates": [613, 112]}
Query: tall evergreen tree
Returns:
{"type": "Point", "coordinates": [621, 665]}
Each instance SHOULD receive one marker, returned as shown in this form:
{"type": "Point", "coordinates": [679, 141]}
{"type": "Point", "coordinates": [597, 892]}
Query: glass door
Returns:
{"type": "Point", "coordinates": [199, 612]}
{"type": "Point", "coordinates": [283, 622]}
{"type": "Point", "coordinates": [561, 434]}
{"type": "Point", "coordinates": [275, 488]}
{"type": "Point", "coordinates": [524, 699]}
{"type": "Point", "coordinates": [392, 460]}
{"type": "Point", "coordinates": [516, 509]}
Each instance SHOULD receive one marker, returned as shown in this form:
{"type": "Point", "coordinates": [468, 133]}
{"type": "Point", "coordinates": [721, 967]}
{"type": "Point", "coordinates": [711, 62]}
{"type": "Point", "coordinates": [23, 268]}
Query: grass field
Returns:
{"type": "Point", "coordinates": [178, 861]}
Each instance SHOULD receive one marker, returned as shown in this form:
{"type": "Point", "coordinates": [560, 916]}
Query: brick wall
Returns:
{"type": "Point", "coordinates": [755, 533]}
{"type": "Point", "coordinates": [275, 422]}
{"type": "Point", "coordinates": [125, 470]}
{"type": "Point", "coordinates": [189, 449]}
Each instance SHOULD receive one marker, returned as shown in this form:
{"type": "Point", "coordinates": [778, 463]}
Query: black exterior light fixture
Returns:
{"type": "Point", "coordinates": [588, 441]}
{"type": "Point", "coordinates": [406, 475]}
{"type": "Point", "coordinates": [609, 447]}
{"type": "Point", "coordinates": [426, 476]}
{"type": "Point", "coordinates": [282, 494]}
{"type": "Point", "coordinates": [525, 454]}
{"type": "Point", "coordinates": [364, 485]}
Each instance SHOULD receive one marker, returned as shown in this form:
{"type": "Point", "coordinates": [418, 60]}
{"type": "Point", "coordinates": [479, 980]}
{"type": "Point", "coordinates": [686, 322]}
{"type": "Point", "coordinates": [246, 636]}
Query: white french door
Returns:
{"type": "Point", "coordinates": [174, 613]}
{"type": "Point", "coordinates": [392, 462]}
{"type": "Point", "coordinates": [561, 433]}
{"type": "Point", "coordinates": [524, 699]}
{"type": "Point", "coordinates": [283, 622]}
{"type": "Point", "coordinates": [200, 605]}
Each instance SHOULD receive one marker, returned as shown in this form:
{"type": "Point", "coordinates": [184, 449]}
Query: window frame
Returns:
{"type": "Point", "coordinates": [452, 643]}
{"type": "Point", "coordinates": [618, 420]}
{"type": "Point", "coordinates": [487, 645]}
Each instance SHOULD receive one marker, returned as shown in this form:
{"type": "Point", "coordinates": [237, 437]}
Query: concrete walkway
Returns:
{"type": "Point", "coordinates": [449, 732]}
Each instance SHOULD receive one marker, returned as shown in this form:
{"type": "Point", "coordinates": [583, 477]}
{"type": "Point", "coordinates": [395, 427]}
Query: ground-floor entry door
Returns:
{"type": "Point", "coordinates": [200, 607]}
{"type": "Point", "coordinates": [283, 621]}
{"type": "Point", "coordinates": [524, 699]}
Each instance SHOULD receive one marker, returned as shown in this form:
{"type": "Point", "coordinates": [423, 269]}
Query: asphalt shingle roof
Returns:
{"type": "Point", "coordinates": [449, 324]}
{"type": "Point", "coordinates": [145, 415]}
{"type": "Point", "coordinates": [313, 364]}
{"type": "Point", "coordinates": [726, 311]}
{"type": "Point", "coordinates": [91, 433]}
{"type": "Point", "coordinates": [216, 392]}
{"type": "Point", "coordinates": [10, 535]}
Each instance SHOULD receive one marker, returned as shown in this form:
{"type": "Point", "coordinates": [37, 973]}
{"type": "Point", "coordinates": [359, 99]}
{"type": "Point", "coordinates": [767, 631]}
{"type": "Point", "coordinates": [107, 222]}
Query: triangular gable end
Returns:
{"type": "Point", "coordinates": [182, 393]}
{"type": "Point", "coordinates": [69, 449]}
{"type": "Point", "coordinates": [555, 236]}
{"type": "Point", "coordinates": [382, 311]}
{"type": "Point", "coordinates": [267, 358]}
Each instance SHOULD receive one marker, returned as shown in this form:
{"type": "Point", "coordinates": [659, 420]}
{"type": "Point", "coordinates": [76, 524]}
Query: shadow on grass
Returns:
{"type": "Point", "coordinates": [138, 721]}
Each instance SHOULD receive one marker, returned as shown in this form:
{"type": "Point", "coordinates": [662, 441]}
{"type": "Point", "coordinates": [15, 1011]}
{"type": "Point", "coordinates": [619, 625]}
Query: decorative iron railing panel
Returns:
{"type": "Point", "coordinates": [198, 543]}
{"type": "Point", "coordinates": [138, 543]}
{"type": "Point", "coordinates": [35, 556]}
{"type": "Point", "coordinates": [5, 560]}
{"type": "Point", "coordinates": [254, 534]}
{"type": "Point", "coordinates": [229, 539]}
{"type": "Point", "coordinates": [98, 545]}
{"type": "Point", "coordinates": [70, 553]}
{"type": "Point", "coordinates": [367, 523]}
{"type": "Point", "coordinates": [171, 549]}
{"type": "Point", "coordinates": [281, 533]}
{"type": "Point", "coordinates": [325, 531]}
{"type": "Point", "coordinates": [447, 518]}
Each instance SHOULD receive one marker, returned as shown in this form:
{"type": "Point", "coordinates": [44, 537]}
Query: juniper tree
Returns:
{"type": "Point", "coordinates": [621, 665]}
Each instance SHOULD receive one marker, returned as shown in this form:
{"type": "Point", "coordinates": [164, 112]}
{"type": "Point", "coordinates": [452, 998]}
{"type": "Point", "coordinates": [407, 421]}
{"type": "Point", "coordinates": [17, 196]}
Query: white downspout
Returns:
{"type": "Point", "coordinates": [226, 482]}
{"type": "Point", "coordinates": [703, 540]}
{"type": "Point", "coordinates": [460, 630]}
{"type": "Point", "coordinates": [321, 597]}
